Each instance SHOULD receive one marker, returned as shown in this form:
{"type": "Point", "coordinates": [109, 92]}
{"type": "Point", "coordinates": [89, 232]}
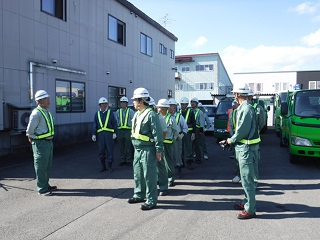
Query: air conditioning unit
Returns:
{"type": "Point", "coordinates": [20, 119]}
{"type": "Point", "coordinates": [122, 91]}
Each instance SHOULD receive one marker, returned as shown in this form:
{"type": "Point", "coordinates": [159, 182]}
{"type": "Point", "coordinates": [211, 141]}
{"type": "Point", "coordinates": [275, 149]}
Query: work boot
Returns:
{"type": "Point", "coordinates": [179, 175]}
{"type": "Point", "coordinates": [103, 165]}
{"type": "Point", "coordinates": [110, 166]}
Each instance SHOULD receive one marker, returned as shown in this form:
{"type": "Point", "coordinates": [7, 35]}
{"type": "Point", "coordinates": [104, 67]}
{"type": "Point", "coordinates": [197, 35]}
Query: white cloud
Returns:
{"type": "Point", "coordinates": [313, 39]}
{"type": "Point", "coordinates": [200, 42]}
{"type": "Point", "coordinates": [270, 58]}
{"type": "Point", "coordinates": [304, 8]}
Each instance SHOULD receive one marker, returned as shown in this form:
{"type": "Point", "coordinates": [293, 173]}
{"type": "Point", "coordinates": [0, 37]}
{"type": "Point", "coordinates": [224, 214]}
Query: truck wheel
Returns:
{"type": "Point", "coordinates": [293, 159]}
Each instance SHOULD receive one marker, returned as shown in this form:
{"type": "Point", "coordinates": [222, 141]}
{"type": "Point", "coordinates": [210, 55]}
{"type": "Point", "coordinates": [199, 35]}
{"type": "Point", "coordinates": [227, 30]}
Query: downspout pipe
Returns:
{"type": "Point", "coordinates": [49, 67]}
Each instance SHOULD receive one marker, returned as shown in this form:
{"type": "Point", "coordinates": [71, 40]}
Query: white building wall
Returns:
{"type": "Point", "coordinates": [269, 80]}
{"type": "Point", "coordinates": [79, 43]}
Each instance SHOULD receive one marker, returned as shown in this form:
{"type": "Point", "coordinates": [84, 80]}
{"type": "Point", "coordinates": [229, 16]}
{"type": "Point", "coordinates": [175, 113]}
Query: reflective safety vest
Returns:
{"type": "Point", "coordinates": [187, 117]}
{"type": "Point", "coordinates": [135, 133]}
{"type": "Point", "coordinates": [104, 127]}
{"type": "Point", "coordinates": [168, 140]}
{"type": "Point", "coordinates": [125, 124]}
{"type": "Point", "coordinates": [195, 117]}
{"type": "Point", "coordinates": [49, 123]}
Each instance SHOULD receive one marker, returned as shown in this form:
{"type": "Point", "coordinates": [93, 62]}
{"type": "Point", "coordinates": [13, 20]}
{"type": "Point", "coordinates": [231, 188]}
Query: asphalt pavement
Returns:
{"type": "Point", "coordinates": [92, 205]}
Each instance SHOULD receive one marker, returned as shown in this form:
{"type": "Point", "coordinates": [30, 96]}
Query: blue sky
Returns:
{"type": "Point", "coordinates": [249, 35]}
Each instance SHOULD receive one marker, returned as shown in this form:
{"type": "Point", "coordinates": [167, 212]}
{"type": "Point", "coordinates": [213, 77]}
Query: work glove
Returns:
{"type": "Point", "coordinates": [94, 138]}
{"type": "Point", "coordinates": [193, 136]}
{"type": "Point", "coordinates": [180, 136]}
{"type": "Point", "coordinates": [225, 146]}
{"type": "Point", "coordinates": [114, 136]}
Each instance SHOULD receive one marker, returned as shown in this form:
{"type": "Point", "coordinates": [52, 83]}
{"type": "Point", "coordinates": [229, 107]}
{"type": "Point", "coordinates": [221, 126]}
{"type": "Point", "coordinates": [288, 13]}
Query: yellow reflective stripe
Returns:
{"type": "Point", "coordinates": [50, 125]}
{"type": "Point", "coordinates": [195, 117]}
{"type": "Point", "coordinates": [186, 119]}
{"type": "Point", "coordinates": [168, 117]}
{"type": "Point", "coordinates": [104, 128]}
{"type": "Point", "coordinates": [234, 113]}
{"type": "Point", "coordinates": [178, 117]}
{"type": "Point", "coordinates": [142, 137]}
{"type": "Point", "coordinates": [252, 141]}
{"type": "Point", "coordinates": [168, 141]}
{"type": "Point", "coordinates": [190, 129]}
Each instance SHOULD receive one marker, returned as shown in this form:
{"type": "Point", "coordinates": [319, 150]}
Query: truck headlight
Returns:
{"type": "Point", "coordinates": [300, 141]}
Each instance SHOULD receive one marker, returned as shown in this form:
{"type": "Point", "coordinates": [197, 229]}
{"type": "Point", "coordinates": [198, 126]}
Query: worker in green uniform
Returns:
{"type": "Point", "coordinates": [189, 117]}
{"type": "Point", "coordinates": [40, 132]}
{"type": "Point", "coordinates": [124, 117]}
{"type": "Point", "coordinates": [199, 130]}
{"type": "Point", "coordinates": [147, 140]}
{"type": "Point", "coordinates": [246, 141]}
{"type": "Point", "coordinates": [166, 172]}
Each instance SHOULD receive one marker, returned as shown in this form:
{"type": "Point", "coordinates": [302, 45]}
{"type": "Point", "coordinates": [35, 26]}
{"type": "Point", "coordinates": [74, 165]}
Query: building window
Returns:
{"type": "Point", "coordinates": [115, 93]}
{"type": "Point", "coordinates": [204, 86]}
{"type": "Point", "coordinates": [145, 44]}
{"type": "Point", "coordinates": [314, 84]}
{"type": "Point", "coordinates": [70, 96]}
{"type": "Point", "coordinates": [208, 67]}
{"type": "Point", "coordinates": [56, 8]}
{"type": "Point", "coordinates": [259, 87]}
{"type": "Point", "coordinates": [162, 49]}
{"type": "Point", "coordinates": [277, 87]}
{"type": "Point", "coordinates": [117, 31]}
{"type": "Point", "coordinates": [179, 86]}
{"type": "Point", "coordinates": [172, 54]}
{"type": "Point", "coordinates": [185, 69]}
{"type": "Point", "coordinates": [169, 93]}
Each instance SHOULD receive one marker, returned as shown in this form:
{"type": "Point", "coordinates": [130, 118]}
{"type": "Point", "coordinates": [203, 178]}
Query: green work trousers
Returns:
{"type": "Point", "coordinates": [163, 173]}
{"type": "Point", "coordinates": [248, 158]}
{"type": "Point", "coordinates": [187, 148]}
{"type": "Point", "coordinates": [145, 174]}
{"type": "Point", "coordinates": [42, 155]}
{"type": "Point", "coordinates": [125, 145]}
{"type": "Point", "coordinates": [177, 149]}
{"type": "Point", "coordinates": [169, 160]}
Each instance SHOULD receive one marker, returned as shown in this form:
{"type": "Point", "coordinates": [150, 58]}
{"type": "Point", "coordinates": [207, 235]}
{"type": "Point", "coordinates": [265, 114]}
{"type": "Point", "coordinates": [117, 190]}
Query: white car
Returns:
{"type": "Point", "coordinates": [210, 110]}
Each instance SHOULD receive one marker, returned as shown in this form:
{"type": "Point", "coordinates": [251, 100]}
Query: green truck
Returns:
{"type": "Point", "coordinates": [221, 119]}
{"type": "Point", "coordinates": [300, 124]}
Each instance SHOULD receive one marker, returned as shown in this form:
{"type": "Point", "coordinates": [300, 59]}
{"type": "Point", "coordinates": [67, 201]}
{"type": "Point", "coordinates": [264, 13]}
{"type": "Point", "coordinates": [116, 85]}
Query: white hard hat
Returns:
{"type": "Point", "coordinates": [124, 99]}
{"type": "Point", "coordinates": [194, 99]}
{"type": "Point", "coordinates": [152, 102]}
{"type": "Point", "coordinates": [163, 103]}
{"type": "Point", "coordinates": [241, 88]}
{"type": "Point", "coordinates": [103, 100]}
{"type": "Point", "coordinates": [140, 93]}
{"type": "Point", "coordinates": [40, 95]}
{"type": "Point", "coordinates": [172, 101]}
{"type": "Point", "coordinates": [184, 100]}
{"type": "Point", "coordinates": [199, 104]}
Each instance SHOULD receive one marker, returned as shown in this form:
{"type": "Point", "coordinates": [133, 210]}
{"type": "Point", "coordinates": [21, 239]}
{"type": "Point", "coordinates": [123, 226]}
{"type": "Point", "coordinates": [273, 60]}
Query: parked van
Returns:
{"type": "Point", "coordinates": [210, 110]}
{"type": "Point", "coordinates": [221, 119]}
{"type": "Point", "coordinates": [301, 119]}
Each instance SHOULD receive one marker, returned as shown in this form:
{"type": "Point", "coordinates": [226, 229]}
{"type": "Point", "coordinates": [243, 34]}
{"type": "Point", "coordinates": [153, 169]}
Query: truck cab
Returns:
{"type": "Point", "coordinates": [221, 119]}
{"type": "Point", "coordinates": [301, 124]}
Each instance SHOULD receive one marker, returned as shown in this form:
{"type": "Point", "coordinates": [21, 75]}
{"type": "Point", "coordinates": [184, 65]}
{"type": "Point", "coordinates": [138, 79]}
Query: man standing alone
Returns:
{"type": "Point", "coordinates": [246, 141]}
{"type": "Point", "coordinates": [40, 132]}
